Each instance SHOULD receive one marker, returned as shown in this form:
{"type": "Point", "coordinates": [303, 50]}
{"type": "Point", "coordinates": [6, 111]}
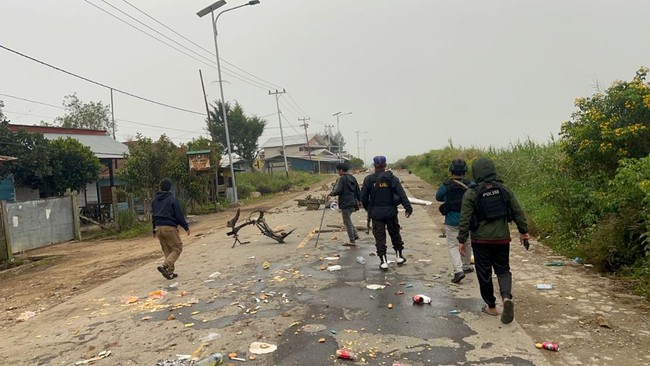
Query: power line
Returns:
{"type": "Point", "coordinates": [32, 101]}
{"type": "Point", "coordinates": [199, 46]}
{"type": "Point", "coordinates": [297, 105]}
{"type": "Point", "coordinates": [210, 63]}
{"type": "Point", "coordinates": [100, 84]}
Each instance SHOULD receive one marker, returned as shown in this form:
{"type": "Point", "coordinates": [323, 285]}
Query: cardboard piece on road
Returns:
{"type": "Point", "coordinates": [261, 348]}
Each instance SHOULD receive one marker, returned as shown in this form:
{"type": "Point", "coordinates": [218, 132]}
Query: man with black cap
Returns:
{"type": "Point", "coordinates": [166, 217]}
{"type": "Point", "coordinates": [451, 193]}
{"type": "Point", "coordinates": [381, 194]}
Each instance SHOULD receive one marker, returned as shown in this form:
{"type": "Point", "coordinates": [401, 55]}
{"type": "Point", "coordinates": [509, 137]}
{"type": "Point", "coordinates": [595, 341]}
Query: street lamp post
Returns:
{"type": "Point", "coordinates": [338, 129]}
{"type": "Point", "coordinates": [364, 150]}
{"type": "Point", "coordinates": [358, 147]}
{"type": "Point", "coordinates": [210, 9]}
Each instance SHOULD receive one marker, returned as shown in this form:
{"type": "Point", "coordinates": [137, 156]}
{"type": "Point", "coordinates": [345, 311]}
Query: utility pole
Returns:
{"type": "Point", "coordinates": [277, 103]}
{"type": "Point", "coordinates": [112, 114]}
{"type": "Point", "coordinates": [364, 150]}
{"type": "Point", "coordinates": [305, 125]}
{"type": "Point", "coordinates": [358, 152]}
{"type": "Point", "coordinates": [328, 131]}
{"type": "Point", "coordinates": [338, 131]}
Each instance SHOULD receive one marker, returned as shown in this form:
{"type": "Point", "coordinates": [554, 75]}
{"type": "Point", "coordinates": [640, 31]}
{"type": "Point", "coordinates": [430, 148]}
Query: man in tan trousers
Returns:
{"type": "Point", "coordinates": [166, 217]}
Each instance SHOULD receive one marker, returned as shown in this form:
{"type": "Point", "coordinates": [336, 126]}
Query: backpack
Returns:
{"type": "Point", "coordinates": [492, 202]}
{"type": "Point", "coordinates": [454, 197]}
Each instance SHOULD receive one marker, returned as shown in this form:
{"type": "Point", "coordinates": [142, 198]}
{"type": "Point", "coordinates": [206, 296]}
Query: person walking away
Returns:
{"type": "Point", "coordinates": [166, 217]}
{"type": "Point", "coordinates": [349, 197]}
{"type": "Point", "coordinates": [382, 192]}
{"type": "Point", "coordinates": [486, 210]}
{"type": "Point", "coordinates": [451, 194]}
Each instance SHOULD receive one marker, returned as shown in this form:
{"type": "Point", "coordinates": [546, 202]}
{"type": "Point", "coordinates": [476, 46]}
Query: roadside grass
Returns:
{"type": "Point", "coordinates": [585, 216]}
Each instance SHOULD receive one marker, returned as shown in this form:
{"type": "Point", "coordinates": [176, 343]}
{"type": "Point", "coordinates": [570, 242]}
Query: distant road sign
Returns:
{"type": "Point", "coordinates": [258, 164]}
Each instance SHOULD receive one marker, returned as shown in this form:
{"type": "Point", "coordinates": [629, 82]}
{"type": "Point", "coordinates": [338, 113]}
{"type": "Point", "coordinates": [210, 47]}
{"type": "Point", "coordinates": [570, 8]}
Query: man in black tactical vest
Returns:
{"type": "Point", "coordinates": [486, 210]}
{"type": "Point", "coordinates": [381, 194]}
{"type": "Point", "coordinates": [451, 193]}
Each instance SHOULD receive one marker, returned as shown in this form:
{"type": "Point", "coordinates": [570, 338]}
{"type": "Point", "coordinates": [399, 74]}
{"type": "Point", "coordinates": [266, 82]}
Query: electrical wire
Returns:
{"type": "Point", "coordinates": [297, 105]}
{"type": "Point", "coordinates": [31, 101]}
{"type": "Point", "coordinates": [209, 63]}
{"type": "Point", "coordinates": [201, 47]}
{"type": "Point", "coordinates": [98, 83]}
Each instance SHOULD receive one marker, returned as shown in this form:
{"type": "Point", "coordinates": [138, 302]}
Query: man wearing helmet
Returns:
{"type": "Point", "coordinates": [451, 193]}
{"type": "Point", "coordinates": [381, 194]}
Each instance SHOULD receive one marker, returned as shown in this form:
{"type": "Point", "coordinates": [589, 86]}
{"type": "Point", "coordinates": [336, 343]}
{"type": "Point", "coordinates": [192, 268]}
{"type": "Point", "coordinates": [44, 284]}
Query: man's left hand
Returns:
{"type": "Point", "coordinates": [461, 249]}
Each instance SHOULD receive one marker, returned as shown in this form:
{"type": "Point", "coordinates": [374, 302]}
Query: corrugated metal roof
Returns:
{"type": "Point", "coordinates": [294, 140]}
{"type": "Point", "coordinates": [99, 141]}
{"type": "Point", "coordinates": [104, 147]}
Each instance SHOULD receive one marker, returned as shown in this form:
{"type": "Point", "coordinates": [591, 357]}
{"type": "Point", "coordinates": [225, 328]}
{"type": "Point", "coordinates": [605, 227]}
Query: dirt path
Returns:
{"type": "Point", "coordinates": [62, 271]}
{"type": "Point", "coordinates": [568, 314]}
{"type": "Point", "coordinates": [587, 314]}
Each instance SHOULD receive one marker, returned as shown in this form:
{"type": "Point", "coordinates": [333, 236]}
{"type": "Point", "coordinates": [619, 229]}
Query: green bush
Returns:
{"type": "Point", "coordinates": [127, 219]}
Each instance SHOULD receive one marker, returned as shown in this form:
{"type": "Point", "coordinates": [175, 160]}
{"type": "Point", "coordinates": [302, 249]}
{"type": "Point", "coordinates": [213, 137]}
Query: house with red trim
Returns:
{"type": "Point", "coordinates": [109, 152]}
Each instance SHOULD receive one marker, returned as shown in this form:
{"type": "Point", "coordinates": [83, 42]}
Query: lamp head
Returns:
{"type": "Point", "coordinates": [211, 8]}
{"type": "Point", "coordinates": [253, 2]}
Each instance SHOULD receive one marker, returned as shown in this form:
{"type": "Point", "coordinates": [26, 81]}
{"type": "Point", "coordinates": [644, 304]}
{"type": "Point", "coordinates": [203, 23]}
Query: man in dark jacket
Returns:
{"type": "Point", "coordinates": [166, 217]}
{"type": "Point", "coordinates": [451, 193]}
{"type": "Point", "coordinates": [381, 194]}
{"type": "Point", "coordinates": [347, 189]}
{"type": "Point", "coordinates": [486, 210]}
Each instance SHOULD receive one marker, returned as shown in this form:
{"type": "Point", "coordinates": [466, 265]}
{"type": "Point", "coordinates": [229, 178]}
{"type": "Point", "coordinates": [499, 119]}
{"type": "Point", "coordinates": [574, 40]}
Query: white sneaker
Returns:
{"type": "Point", "coordinates": [400, 261]}
{"type": "Point", "coordinates": [383, 266]}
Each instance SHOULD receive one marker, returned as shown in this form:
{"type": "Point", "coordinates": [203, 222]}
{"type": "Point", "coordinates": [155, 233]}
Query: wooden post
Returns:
{"type": "Point", "coordinates": [76, 220]}
{"type": "Point", "coordinates": [115, 208]}
{"type": "Point", "coordinates": [5, 239]}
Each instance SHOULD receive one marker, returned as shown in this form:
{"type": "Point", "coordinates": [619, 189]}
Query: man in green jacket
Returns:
{"type": "Point", "coordinates": [486, 210]}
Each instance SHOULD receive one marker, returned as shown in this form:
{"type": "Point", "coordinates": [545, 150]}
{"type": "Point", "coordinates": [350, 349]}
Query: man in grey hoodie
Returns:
{"type": "Point", "coordinates": [166, 217]}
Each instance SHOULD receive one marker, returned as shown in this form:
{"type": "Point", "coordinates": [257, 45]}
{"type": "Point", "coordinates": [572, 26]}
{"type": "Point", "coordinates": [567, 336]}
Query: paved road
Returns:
{"type": "Point", "coordinates": [224, 300]}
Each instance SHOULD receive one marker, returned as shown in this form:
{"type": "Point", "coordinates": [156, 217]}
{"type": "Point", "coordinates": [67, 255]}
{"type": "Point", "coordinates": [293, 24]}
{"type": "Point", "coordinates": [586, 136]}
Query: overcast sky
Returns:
{"type": "Point", "coordinates": [414, 73]}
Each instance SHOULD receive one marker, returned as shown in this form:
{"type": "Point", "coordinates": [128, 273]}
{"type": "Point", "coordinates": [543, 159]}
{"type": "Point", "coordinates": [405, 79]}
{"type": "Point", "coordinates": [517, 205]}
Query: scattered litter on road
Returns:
{"type": "Point", "coordinates": [313, 328]}
{"type": "Point", "coordinates": [321, 340]}
{"type": "Point", "coordinates": [603, 321]}
{"type": "Point", "coordinates": [400, 292]}
{"type": "Point", "coordinates": [173, 285]}
{"type": "Point", "coordinates": [129, 299]}
{"type": "Point", "coordinates": [455, 311]}
{"type": "Point", "coordinates": [421, 299]}
{"type": "Point", "coordinates": [435, 277]}
{"type": "Point", "coordinates": [266, 265]}
{"type": "Point", "coordinates": [331, 258]}
{"type": "Point", "coordinates": [334, 268]}
{"type": "Point", "coordinates": [189, 325]}
{"type": "Point", "coordinates": [214, 274]}
{"type": "Point", "coordinates": [408, 286]}
{"type": "Point", "coordinates": [555, 264]}
{"type": "Point", "coordinates": [158, 294]}
{"type": "Point", "coordinates": [375, 287]}
{"type": "Point", "coordinates": [424, 260]}
{"type": "Point", "coordinates": [210, 337]}
{"type": "Point", "coordinates": [146, 318]}
{"type": "Point", "coordinates": [260, 348]}
{"type": "Point", "coordinates": [551, 346]}
{"type": "Point", "coordinates": [294, 324]}
{"type": "Point", "coordinates": [26, 316]}
{"type": "Point", "coordinates": [544, 286]}
{"type": "Point", "coordinates": [346, 355]}
{"type": "Point", "coordinates": [372, 297]}
{"type": "Point", "coordinates": [100, 355]}
{"type": "Point", "coordinates": [589, 265]}
{"type": "Point", "coordinates": [332, 331]}
{"type": "Point", "coordinates": [390, 306]}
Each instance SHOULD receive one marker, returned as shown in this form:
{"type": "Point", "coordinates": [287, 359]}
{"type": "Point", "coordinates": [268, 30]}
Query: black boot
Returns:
{"type": "Point", "coordinates": [384, 262]}
{"type": "Point", "coordinates": [400, 259]}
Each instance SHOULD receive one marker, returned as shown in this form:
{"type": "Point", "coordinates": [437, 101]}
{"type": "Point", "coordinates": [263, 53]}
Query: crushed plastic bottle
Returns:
{"type": "Point", "coordinates": [421, 299]}
{"type": "Point", "coordinates": [346, 355]}
{"type": "Point", "coordinates": [213, 360]}
{"type": "Point", "coordinates": [551, 346]}
{"type": "Point", "coordinates": [334, 268]}
{"type": "Point", "coordinates": [361, 260]}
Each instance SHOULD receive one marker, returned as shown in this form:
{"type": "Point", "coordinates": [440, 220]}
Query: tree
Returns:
{"type": "Point", "coordinates": [356, 163]}
{"type": "Point", "coordinates": [73, 166]}
{"type": "Point", "coordinates": [3, 118]}
{"type": "Point", "coordinates": [608, 127]}
{"type": "Point", "coordinates": [31, 150]}
{"type": "Point", "coordinates": [244, 130]}
{"type": "Point", "coordinates": [91, 115]}
{"type": "Point", "coordinates": [148, 163]}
